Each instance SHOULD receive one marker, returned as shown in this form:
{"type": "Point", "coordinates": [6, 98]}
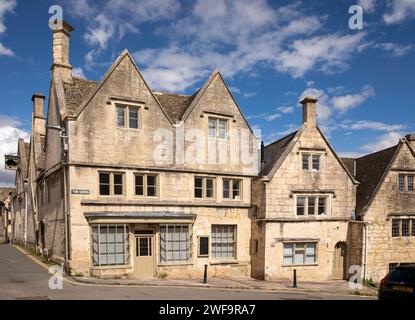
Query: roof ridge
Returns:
{"type": "Point", "coordinates": [292, 133]}
{"type": "Point", "coordinates": [172, 93]}
{"type": "Point", "coordinates": [374, 153]}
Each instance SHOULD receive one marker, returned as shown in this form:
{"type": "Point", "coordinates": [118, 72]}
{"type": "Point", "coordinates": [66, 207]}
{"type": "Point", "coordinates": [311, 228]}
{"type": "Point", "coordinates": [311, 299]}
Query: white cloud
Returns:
{"type": "Point", "coordinates": [367, 5]}
{"type": "Point", "coordinates": [396, 49]}
{"type": "Point", "coordinates": [385, 141]}
{"type": "Point", "coordinates": [265, 116]}
{"type": "Point", "coordinates": [78, 72]}
{"type": "Point", "coordinates": [329, 53]}
{"type": "Point", "coordinates": [286, 109]}
{"type": "Point", "coordinates": [9, 135]}
{"type": "Point", "coordinates": [400, 11]}
{"type": "Point", "coordinates": [350, 101]}
{"type": "Point", "coordinates": [6, 6]}
{"type": "Point", "coordinates": [370, 125]}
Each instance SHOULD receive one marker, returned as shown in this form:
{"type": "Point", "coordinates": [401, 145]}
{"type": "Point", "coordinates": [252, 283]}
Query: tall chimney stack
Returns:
{"type": "Point", "coordinates": [39, 120]}
{"type": "Point", "coordinates": [309, 111]}
{"type": "Point", "coordinates": [61, 34]}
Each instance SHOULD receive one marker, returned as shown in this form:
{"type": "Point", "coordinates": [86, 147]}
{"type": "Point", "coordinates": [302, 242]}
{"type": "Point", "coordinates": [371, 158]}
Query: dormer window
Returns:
{"type": "Point", "coordinates": [128, 116]}
{"type": "Point", "coordinates": [311, 161]}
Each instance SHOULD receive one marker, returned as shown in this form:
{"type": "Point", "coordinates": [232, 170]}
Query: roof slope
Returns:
{"type": "Point", "coordinates": [350, 165]}
{"type": "Point", "coordinates": [274, 151]}
{"type": "Point", "coordinates": [76, 92]}
{"type": "Point", "coordinates": [369, 172]}
{"type": "Point", "coordinates": [174, 104]}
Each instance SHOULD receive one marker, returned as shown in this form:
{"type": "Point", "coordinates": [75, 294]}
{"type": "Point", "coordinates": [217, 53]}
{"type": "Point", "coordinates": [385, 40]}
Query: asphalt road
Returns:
{"type": "Point", "coordinates": [22, 278]}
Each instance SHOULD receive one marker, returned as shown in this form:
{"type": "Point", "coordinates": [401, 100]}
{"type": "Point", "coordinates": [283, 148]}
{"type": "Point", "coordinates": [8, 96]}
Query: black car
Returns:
{"type": "Point", "coordinates": [398, 284]}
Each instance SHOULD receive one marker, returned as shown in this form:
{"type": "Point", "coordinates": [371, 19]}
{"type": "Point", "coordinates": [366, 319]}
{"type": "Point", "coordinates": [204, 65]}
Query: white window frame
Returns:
{"type": "Point", "coordinates": [217, 129]}
{"type": "Point", "coordinates": [310, 155]}
{"type": "Point", "coordinates": [302, 246]}
{"type": "Point", "coordinates": [216, 242]}
{"type": "Point", "coordinates": [96, 246]}
{"type": "Point", "coordinates": [328, 201]}
{"type": "Point", "coordinates": [204, 187]}
{"type": "Point", "coordinates": [231, 181]}
{"type": "Point", "coordinates": [127, 107]}
{"type": "Point", "coordinates": [173, 248]}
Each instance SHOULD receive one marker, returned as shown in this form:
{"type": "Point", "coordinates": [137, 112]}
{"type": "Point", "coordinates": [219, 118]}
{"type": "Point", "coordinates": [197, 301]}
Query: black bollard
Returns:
{"type": "Point", "coordinates": [205, 275]}
{"type": "Point", "coordinates": [295, 279]}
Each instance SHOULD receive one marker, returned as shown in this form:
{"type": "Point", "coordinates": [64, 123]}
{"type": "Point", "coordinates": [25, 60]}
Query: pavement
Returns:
{"type": "Point", "coordinates": [23, 276]}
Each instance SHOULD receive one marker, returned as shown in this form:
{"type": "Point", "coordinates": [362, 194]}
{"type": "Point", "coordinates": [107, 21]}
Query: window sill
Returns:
{"type": "Point", "coordinates": [111, 267]}
{"type": "Point", "coordinates": [219, 262]}
{"type": "Point", "coordinates": [300, 265]}
{"type": "Point", "coordinates": [173, 264]}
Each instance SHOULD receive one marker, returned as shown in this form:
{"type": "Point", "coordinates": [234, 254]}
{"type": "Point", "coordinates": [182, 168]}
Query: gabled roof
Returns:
{"type": "Point", "coordinates": [174, 104]}
{"type": "Point", "coordinates": [370, 171]}
{"type": "Point", "coordinates": [76, 92]}
{"type": "Point", "coordinates": [274, 151]}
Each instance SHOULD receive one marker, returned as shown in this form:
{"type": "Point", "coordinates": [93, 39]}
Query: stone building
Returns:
{"type": "Point", "coordinates": [304, 199]}
{"type": "Point", "coordinates": [5, 215]}
{"type": "Point", "coordinates": [139, 183]}
{"type": "Point", "coordinates": [384, 233]}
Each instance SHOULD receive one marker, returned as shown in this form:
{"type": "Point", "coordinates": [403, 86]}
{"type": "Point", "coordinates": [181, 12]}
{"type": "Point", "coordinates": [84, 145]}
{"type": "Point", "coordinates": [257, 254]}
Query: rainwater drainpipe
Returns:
{"type": "Point", "coordinates": [25, 222]}
{"type": "Point", "coordinates": [365, 228]}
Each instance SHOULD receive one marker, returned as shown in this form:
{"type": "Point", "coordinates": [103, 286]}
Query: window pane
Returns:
{"type": "Point", "coordinates": [300, 206]}
{"type": "Point", "coordinates": [226, 185]}
{"type": "Point", "coordinates": [236, 186]}
{"type": "Point", "coordinates": [212, 128]}
{"type": "Point", "coordinates": [174, 243]}
{"type": "Point", "coordinates": [118, 184]}
{"type": "Point", "coordinates": [410, 183]}
{"type": "Point", "coordinates": [139, 187]}
{"type": "Point", "coordinates": [203, 246]}
{"type": "Point", "coordinates": [223, 241]}
{"type": "Point", "coordinates": [401, 183]}
{"type": "Point", "coordinates": [311, 205]}
{"type": "Point", "coordinates": [222, 129]}
{"type": "Point", "coordinates": [151, 186]}
{"type": "Point", "coordinates": [316, 162]}
{"type": "Point", "coordinates": [413, 228]}
{"type": "Point", "coordinates": [322, 205]}
{"type": "Point", "coordinates": [305, 164]}
{"type": "Point", "coordinates": [198, 188]}
{"type": "Point", "coordinates": [395, 227]}
{"type": "Point", "coordinates": [121, 116]}
{"type": "Point", "coordinates": [133, 118]}
{"type": "Point", "coordinates": [405, 228]}
{"type": "Point", "coordinates": [108, 245]}
{"type": "Point", "coordinates": [209, 188]}
{"type": "Point", "coordinates": [104, 184]}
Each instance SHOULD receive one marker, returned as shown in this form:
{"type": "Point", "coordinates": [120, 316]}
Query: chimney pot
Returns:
{"type": "Point", "coordinates": [309, 110]}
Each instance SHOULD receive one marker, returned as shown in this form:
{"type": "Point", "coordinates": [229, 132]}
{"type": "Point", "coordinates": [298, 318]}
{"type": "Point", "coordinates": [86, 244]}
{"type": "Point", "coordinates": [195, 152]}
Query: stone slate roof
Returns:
{"type": "Point", "coordinates": [4, 193]}
{"type": "Point", "coordinates": [274, 151]}
{"type": "Point", "coordinates": [350, 165]}
{"type": "Point", "coordinates": [175, 105]}
{"type": "Point", "coordinates": [369, 172]}
{"type": "Point", "coordinates": [76, 93]}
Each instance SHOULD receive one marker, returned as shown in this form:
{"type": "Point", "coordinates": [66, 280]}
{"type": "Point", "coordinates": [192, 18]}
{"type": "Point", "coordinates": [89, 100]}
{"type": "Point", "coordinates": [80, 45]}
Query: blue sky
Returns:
{"type": "Point", "coordinates": [270, 52]}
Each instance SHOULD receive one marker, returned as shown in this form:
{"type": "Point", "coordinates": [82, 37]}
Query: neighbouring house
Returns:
{"type": "Point", "coordinates": [5, 215]}
{"type": "Point", "coordinates": [384, 234]}
{"type": "Point", "coordinates": [22, 219]}
{"type": "Point", "coordinates": [140, 183]}
{"type": "Point", "coordinates": [304, 199]}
